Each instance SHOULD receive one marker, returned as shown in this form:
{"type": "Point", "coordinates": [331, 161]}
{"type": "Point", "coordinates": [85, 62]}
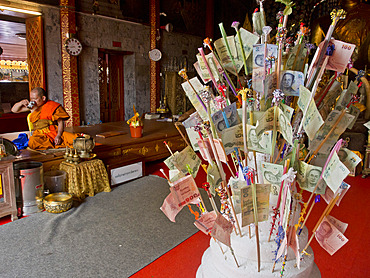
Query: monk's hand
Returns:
{"type": "Point", "coordinates": [57, 140]}
{"type": "Point", "coordinates": [24, 102]}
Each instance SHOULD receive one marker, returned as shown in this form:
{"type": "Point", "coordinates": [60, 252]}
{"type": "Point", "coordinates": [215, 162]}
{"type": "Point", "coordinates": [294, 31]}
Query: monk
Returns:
{"type": "Point", "coordinates": [46, 121]}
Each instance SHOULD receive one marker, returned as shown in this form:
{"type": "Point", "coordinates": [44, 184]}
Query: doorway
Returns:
{"type": "Point", "coordinates": [111, 85]}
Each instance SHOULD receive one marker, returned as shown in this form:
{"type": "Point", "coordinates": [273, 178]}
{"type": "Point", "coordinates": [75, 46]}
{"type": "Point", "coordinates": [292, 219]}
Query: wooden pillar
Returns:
{"type": "Point", "coordinates": [210, 7]}
{"type": "Point", "coordinates": [69, 63]}
{"type": "Point", "coordinates": [154, 66]}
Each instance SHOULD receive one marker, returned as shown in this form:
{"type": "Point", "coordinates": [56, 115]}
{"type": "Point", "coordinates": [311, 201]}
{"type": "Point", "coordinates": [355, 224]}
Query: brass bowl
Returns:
{"type": "Point", "coordinates": [58, 202]}
{"type": "Point", "coordinates": [84, 145]}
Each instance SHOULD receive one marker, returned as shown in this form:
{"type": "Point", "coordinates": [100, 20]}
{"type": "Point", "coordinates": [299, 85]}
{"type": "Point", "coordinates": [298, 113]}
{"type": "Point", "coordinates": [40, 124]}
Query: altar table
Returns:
{"type": "Point", "coordinates": [86, 178]}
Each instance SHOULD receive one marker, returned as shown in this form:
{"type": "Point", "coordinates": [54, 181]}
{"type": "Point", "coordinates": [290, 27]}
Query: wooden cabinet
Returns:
{"type": "Point", "coordinates": [8, 204]}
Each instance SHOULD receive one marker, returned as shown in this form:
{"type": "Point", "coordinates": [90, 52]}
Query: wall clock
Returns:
{"type": "Point", "coordinates": [73, 46]}
{"type": "Point", "coordinates": [155, 55]}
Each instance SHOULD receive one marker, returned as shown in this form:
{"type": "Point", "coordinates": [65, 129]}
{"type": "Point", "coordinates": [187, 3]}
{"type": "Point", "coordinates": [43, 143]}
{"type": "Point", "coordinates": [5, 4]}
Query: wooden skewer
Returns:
{"type": "Point", "coordinates": [254, 196]}
{"type": "Point", "coordinates": [274, 134]}
{"type": "Point", "coordinates": [232, 252]}
{"type": "Point", "coordinates": [286, 167]}
{"type": "Point", "coordinates": [182, 135]}
{"type": "Point", "coordinates": [305, 220]}
{"type": "Point", "coordinates": [326, 212]}
{"type": "Point", "coordinates": [164, 174]}
{"type": "Point", "coordinates": [168, 148]}
{"type": "Point", "coordinates": [222, 173]}
{"type": "Point", "coordinates": [280, 151]}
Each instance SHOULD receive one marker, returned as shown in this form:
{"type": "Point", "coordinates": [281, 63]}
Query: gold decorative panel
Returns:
{"type": "Point", "coordinates": [35, 52]}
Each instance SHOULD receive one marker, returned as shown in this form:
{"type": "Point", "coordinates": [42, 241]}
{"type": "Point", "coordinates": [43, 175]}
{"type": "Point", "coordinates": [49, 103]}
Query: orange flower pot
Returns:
{"type": "Point", "coordinates": [136, 132]}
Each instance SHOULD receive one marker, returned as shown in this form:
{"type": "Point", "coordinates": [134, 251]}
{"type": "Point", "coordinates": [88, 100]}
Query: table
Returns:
{"type": "Point", "coordinates": [86, 178]}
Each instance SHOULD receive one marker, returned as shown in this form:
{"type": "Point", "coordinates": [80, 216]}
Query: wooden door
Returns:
{"type": "Point", "coordinates": [111, 86]}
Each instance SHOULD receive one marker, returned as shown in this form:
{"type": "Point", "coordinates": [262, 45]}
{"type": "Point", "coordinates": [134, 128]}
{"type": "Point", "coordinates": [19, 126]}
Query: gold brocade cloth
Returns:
{"type": "Point", "coordinates": [86, 178]}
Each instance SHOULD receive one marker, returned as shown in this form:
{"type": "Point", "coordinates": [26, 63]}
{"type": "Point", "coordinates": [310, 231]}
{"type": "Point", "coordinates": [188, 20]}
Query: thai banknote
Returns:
{"type": "Point", "coordinates": [206, 221]}
{"type": "Point", "coordinates": [231, 116]}
{"type": "Point", "coordinates": [339, 60]}
{"type": "Point", "coordinates": [175, 174]}
{"type": "Point", "coordinates": [325, 129]}
{"type": "Point", "coordinates": [258, 22]}
{"type": "Point", "coordinates": [308, 176]}
{"type": "Point", "coordinates": [290, 81]}
{"type": "Point", "coordinates": [213, 65]}
{"type": "Point", "coordinates": [262, 144]}
{"type": "Point", "coordinates": [329, 194]}
{"type": "Point", "coordinates": [367, 124]}
{"type": "Point", "coordinates": [260, 158]}
{"type": "Point", "coordinates": [285, 210]}
{"type": "Point", "coordinates": [189, 124]}
{"type": "Point", "coordinates": [169, 162]}
{"type": "Point", "coordinates": [170, 207]}
{"type": "Point", "coordinates": [194, 97]}
{"type": "Point", "coordinates": [332, 94]}
{"type": "Point", "coordinates": [341, 226]}
{"type": "Point", "coordinates": [349, 158]}
{"type": "Point", "coordinates": [284, 126]}
{"type": "Point", "coordinates": [335, 172]}
{"type": "Point", "coordinates": [187, 159]}
{"type": "Point", "coordinates": [236, 185]}
{"type": "Point", "coordinates": [222, 229]}
{"type": "Point", "coordinates": [296, 58]}
{"type": "Point", "coordinates": [256, 116]}
{"type": "Point", "coordinates": [353, 110]}
{"type": "Point", "coordinates": [222, 156]}
{"type": "Point", "coordinates": [263, 194]}
{"type": "Point", "coordinates": [213, 178]}
{"type": "Point", "coordinates": [343, 101]}
{"type": "Point", "coordinates": [329, 237]}
{"type": "Point", "coordinates": [185, 190]}
{"type": "Point", "coordinates": [193, 120]}
{"type": "Point", "coordinates": [225, 58]}
{"type": "Point", "coordinates": [206, 150]}
{"type": "Point", "coordinates": [287, 110]}
{"type": "Point", "coordinates": [193, 138]}
{"type": "Point", "coordinates": [248, 39]}
{"type": "Point", "coordinates": [272, 174]}
{"type": "Point", "coordinates": [232, 138]}
{"type": "Point", "coordinates": [259, 62]}
{"type": "Point", "coordinates": [275, 118]}
{"type": "Point", "coordinates": [269, 85]}
{"type": "Point", "coordinates": [312, 120]}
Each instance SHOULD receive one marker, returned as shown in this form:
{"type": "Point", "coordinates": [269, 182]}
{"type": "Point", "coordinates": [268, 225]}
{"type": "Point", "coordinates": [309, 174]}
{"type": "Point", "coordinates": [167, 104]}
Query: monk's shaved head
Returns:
{"type": "Point", "coordinates": [40, 92]}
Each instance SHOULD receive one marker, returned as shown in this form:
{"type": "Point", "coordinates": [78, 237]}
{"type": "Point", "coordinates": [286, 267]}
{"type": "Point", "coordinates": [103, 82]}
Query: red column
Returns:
{"type": "Point", "coordinates": [154, 66]}
{"type": "Point", "coordinates": [69, 63]}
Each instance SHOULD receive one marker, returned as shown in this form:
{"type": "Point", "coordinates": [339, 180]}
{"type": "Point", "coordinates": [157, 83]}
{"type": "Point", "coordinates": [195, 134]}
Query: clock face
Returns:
{"type": "Point", "coordinates": [155, 55]}
{"type": "Point", "coordinates": [73, 46]}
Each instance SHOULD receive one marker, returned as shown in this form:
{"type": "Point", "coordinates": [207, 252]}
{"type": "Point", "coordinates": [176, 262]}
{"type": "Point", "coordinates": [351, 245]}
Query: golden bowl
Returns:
{"type": "Point", "coordinates": [58, 202]}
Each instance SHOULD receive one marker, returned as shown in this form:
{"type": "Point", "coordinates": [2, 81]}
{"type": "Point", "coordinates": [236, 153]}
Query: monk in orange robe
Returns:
{"type": "Point", "coordinates": [46, 121]}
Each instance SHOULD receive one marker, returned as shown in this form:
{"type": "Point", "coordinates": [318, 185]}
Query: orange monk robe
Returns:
{"type": "Point", "coordinates": [44, 127]}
